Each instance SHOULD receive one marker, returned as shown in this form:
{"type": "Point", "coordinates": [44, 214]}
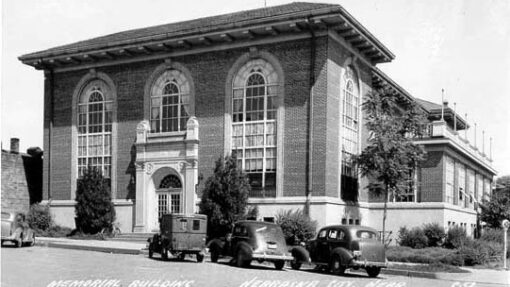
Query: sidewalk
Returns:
{"type": "Point", "coordinates": [93, 245]}
{"type": "Point", "coordinates": [487, 276]}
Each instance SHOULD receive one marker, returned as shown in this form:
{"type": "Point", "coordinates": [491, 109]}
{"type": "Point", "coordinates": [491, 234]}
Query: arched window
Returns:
{"type": "Point", "coordinates": [95, 129]}
{"type": "Point", "coordinates": [169, 195]}
{"type": "Point", "coordinates": [350, 139]}
{"type": "Point", "coordinates": [170, 97]}
{"type": "Point", "coordinates": [170, 181]}
{"type": "Point", "coordinates": [254, 124]}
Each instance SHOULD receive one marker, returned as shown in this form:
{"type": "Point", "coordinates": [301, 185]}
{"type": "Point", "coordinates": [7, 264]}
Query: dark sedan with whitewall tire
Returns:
{"type": "Point", "coordinates": [339, 247]}
{"type": "Point", "coordinates": [252, 240]}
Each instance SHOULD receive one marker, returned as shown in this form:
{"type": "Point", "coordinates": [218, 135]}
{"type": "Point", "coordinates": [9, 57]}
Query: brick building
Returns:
{"type": "Point", "coordinates": [155, 107]}
{"type": "Point", "coordinates": [21, 178]}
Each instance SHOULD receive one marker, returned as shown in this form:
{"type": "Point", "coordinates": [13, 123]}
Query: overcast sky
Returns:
{"type": "Point", "coordinates": [462, 46]}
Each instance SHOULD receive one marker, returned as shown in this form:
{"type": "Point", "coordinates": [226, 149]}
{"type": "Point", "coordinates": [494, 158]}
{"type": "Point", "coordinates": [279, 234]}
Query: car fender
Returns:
{"type": "Point", "coordinates": [27, 234]}
{"type": "Point", "coordinates": [345, 255]}
{"type": "Point", "coordinates": [216, 245]}
{"type": "Point", "coordinates": [300, 254]}
{"type": "Point", "coordinates": [18, 233]}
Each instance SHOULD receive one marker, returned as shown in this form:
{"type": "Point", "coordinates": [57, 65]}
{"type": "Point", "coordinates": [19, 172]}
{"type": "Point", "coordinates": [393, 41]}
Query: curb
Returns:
{"type": "Point", "coordinates": [89, 248]}
{"type": "Point", "coordinates": [407, 273]}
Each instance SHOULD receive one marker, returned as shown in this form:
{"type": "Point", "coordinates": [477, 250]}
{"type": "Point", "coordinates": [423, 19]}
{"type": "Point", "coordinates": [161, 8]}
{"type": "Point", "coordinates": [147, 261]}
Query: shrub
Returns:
{"type": "Point", "coordinates": [435, 234]}
{"type": "Point", "coordinates": [39, 217]}
{"type": "Point", "coordinates": [414, 238]}
{"type": "Point", "coordinates": [493, 235]}
{"type": "Point", "coordinates": [54, 231]}
{"type": "Point", "coordinates": [455, 237]}
{"type": "Point", "coordinates": [252, 213]}
{"type": "Point", "coordinates": [296, 226]}
{"type": "Point", "coordinates": [94, 207]}
{"type": "Point", "coordinates": [455, 259]}
{"type": "Point", "coordinates": [479, 252]}
{"type": "Point", "coordinates": [225, 196]}
{"type": "Point", "coordinates": [426, 255]}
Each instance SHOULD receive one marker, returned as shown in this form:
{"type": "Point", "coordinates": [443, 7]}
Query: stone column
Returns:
{"type": "Point", "coordinates": [141, 218]}
{"type": "Point", "coordinates": [191, 169]}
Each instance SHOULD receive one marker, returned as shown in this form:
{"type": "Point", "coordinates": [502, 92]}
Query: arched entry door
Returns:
{"type": "Point", "coordinates": [169, 195]}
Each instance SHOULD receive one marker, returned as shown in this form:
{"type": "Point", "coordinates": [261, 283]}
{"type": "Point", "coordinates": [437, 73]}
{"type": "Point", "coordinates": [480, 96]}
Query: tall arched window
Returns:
{"type": "Point", "coordinates": [254, 124]}
{"type": "Point", "coordinates": [350, 139]}
{"type": "Point", "coordinates": [170, 97]}
{"type": "Point", "coordinates": [95, 129]}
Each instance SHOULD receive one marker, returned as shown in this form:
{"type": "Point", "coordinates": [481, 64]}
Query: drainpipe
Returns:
{"type": "Point", "coordinates": [309, 169]}
{"type": "Point", "coordinates": [50, 128]}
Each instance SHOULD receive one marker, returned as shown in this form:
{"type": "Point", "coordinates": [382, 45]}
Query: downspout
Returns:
{"type": "Point", "coordinates": [50, 128]}
{"type": "Point", "coordinates": [309, 169]}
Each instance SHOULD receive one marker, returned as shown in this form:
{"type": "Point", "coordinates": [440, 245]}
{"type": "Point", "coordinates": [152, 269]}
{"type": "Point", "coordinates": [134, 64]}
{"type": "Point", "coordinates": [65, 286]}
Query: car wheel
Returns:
{"type": "Point", "coordinates": [164, 254]}
{"type": "Point", "coordinates": [200, 258]}
{"type": "Point", "coordinates": [295, 264]}
{"type": "Point", "coordinates": [214, 255]}
{"type": "Point", "coordinates": [336, 266]}
{"type": "Point", "coordinates": [279, 264]}
{"type": "Point", "coordinates": [241, 260]}
{"type": "Point", "coordinates": [373, 271]}
{"type": "Point", "coordinates": [151, 252]}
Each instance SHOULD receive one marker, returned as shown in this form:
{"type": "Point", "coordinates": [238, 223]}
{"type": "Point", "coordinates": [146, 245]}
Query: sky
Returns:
{"type": "Point", "coordinates": [461, 46]}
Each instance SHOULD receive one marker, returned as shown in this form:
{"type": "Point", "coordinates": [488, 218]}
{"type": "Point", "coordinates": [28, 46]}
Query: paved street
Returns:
{"type": "Point", "coordinates": [43, 266]}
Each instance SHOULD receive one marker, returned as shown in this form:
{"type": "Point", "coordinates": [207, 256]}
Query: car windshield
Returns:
{"type": "Point", "coordinates": [366, 234]}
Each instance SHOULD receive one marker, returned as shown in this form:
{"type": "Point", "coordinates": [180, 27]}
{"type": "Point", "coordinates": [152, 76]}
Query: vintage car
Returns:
{"type": "Point", "coordinates": [252, 240]}
{"type": "Point", "coordinates": [180, 234]}
{"type": "Point", "coordinates": [338, 247]}
{"type": "Point", "coordinates": [16, 230]}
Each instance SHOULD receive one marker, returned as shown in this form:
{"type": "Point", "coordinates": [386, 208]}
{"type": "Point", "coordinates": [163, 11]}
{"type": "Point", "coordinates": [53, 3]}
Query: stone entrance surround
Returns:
{"type": "Point", "coordinates": [158, 155]}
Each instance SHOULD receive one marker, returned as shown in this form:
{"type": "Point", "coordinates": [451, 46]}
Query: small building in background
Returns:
{"type": "Point", "coordinates": [21, 178]}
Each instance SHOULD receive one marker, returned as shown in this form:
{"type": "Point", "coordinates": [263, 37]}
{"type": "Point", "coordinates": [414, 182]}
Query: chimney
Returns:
{"type": "Point", "coordinates": [14, 145]}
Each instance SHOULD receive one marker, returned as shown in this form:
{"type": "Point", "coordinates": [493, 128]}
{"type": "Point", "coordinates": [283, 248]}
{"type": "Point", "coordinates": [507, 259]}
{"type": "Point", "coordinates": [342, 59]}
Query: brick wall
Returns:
{"type": "Point", "coordinates": [21, 181]}
{"type": "Point", "coordinates": [209, 73]}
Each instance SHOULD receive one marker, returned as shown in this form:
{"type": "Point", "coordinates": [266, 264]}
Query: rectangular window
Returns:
{"type": "Point", "coordinates": [470, 188]}
{"type": "Point", "coordinates": [487, 189]}
{"type": "Point", "coordinates": [196, 224]}
{"type": "Point", "coordinates": [162, 204]}
{"type": "Point", "coordinates": [450, 180]}
{"type": "Point", "coordinates": [175, 203]}
{"type": "Point", "coordinates": [462, 184]}
{"type": "Point", "coordinates": [479, 187]}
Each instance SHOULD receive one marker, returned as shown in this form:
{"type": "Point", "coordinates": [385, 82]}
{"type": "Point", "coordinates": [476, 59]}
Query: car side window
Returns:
{"type": "Point", "coordinates": [341, 235]}
{"type": "Point", "coordinates": [333, 233]}
{"type": "Point", "coordinates": [322, 234]}
{"type": "Point", "coordinates": [240, 231]}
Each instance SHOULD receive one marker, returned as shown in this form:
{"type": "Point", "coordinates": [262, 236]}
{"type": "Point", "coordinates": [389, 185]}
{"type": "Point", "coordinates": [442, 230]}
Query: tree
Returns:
{"type": "Point", "coordinates": [498, 207]}
{"type": "Point", "coordinates": [225, 196]}
{"type": "Point", "coordinates": [391, 157]}
{"type": "Point", "coordinates": [94, 207]}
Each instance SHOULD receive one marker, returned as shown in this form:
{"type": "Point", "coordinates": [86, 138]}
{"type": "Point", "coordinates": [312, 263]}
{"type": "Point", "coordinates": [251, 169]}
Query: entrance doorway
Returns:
{"type": "Point", "coordinates": [169, 196]}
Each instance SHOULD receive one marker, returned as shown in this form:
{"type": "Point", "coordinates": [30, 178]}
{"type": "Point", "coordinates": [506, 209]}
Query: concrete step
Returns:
{"type": "Point", "coordinates": [132, 237]}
